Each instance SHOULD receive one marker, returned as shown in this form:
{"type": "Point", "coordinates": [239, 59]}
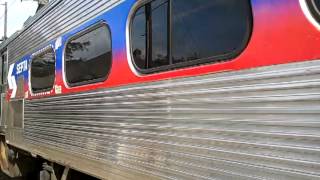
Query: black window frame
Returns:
{"type": "Point", "coordinates": [314, 10]}
{"type": "Point", "coordinates": [77, 35]}
{"type": "Point", "coordinates": [39, 53]}
{"type": "Point", "coordinates": [209, 60]}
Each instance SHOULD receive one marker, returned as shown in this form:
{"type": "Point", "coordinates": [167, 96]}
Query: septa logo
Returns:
{"type": "Point", "coordinates": [12, 82]}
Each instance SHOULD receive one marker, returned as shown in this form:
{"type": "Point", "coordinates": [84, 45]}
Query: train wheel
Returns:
{"type": "Point", "coordinates": [7, 160]}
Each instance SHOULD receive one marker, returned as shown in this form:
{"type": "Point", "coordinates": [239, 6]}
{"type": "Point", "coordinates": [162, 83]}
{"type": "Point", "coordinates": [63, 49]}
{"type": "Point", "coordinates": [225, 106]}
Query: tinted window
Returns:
{"type": "Point", "coordinates": [139, 36]}
{"type": "Point", "coordinates": [159, 43]}
{"type": "Point", "coordinates": [152, 20]}
{"type": "Point", "coordinates": [314, 7]}
{"type": "Point", "coordinates": [317, 3]}
{"type": "Point", "coordinates": [88, 57]}
{"type": "Point", "coordinates": [201, 31]}
{"type": "Point", "coordinates": [43, 71]}
{"type": "Point", "coordinates": [207, 28]}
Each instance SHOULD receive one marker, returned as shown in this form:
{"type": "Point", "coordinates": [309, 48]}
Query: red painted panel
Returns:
{"type": "Point", "coordinates": [281, 34]}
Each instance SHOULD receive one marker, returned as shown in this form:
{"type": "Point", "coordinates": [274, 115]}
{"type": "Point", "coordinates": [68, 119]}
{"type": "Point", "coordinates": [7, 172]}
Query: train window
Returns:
{"type": "Point", "coordinates": [317, 4]}
{"type": "Point", "coordinates": [43, 70]}
{"type": "Point", "coordinates": [167, 34]}
{"type": "Point", "coordinates": [314, 8]}
{"type": "Point", "coordinates": [158, 28]}
{"type": "Point", "coordinates": [139, 36]}
{"type": "Point", "coordinates": [157, 43]}
{"type": "Point", "coordinates": [88, 56]}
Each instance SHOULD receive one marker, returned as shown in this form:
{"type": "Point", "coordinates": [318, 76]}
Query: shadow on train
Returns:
{"type": "Point", "coordinates": [40, 170]}
{"type": "Point", "coordinates": [73, 175]}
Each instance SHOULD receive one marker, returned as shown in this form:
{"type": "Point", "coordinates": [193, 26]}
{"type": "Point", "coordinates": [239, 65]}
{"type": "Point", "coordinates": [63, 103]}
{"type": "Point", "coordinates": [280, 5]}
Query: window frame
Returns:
{"type": "Point", "coordinates": [208, 60]}
{"type": "Point", "coordinates": [38, 53]}
{"type": "Point", "coordinates": [76, 35]}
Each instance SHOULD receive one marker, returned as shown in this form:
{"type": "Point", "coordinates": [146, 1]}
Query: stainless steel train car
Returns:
{"type": "Point", "coordinates": [164, 89]}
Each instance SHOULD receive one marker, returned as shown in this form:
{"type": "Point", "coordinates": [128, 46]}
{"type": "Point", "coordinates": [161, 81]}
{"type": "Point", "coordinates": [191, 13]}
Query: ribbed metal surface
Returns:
{"type": "Point", "coordinates": [254, 124]}
{"type": "Point", "coordinates": [57, 19]}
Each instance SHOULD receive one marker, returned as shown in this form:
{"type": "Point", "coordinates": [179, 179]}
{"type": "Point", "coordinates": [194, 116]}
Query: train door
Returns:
{"type": "Point", "coordinates": [3, 82]}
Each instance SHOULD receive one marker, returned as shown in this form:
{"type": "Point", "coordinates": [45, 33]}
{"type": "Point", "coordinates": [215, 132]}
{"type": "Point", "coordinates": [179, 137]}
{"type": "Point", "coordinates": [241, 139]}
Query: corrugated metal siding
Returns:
{"type": "Point", "coordinates": [63, 17]}
{"type": "Point", "coordinates": [254, 124]}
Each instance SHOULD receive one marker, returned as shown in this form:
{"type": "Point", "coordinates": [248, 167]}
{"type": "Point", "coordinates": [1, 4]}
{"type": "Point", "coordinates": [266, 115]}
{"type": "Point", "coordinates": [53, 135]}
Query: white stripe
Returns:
{"type": "Point", "coordinates": [14, 87]}
{"type": "Point", "coordinates": [307, 13]}
{"type": "Point", "coordinates": [9, 75]}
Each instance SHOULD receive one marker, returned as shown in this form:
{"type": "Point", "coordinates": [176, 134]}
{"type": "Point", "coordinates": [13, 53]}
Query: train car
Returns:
{"type": "Point", "coordinates": [164, 89]}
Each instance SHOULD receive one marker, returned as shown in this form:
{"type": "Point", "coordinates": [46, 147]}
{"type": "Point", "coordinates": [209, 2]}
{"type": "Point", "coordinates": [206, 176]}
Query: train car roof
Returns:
{"type": "Point", "coordinates": [29, 22]}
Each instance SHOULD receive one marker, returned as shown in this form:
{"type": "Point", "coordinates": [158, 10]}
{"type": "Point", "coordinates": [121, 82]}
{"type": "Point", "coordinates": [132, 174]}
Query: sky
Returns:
{"type": "Point", "coordinates": [18, 13]}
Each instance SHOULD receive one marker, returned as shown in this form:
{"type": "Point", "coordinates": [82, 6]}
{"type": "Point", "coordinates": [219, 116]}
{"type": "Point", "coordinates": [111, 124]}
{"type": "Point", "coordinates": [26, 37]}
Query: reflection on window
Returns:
{"type": "Point", "coordinates": [139, 36]}
{"type": "Point", "coordinates": [159, 21]}
{"type": "Point", "coordinates": [88, 57]}
{"type": "Point", "coordinates": [200, 30]}
{"type": "Point", "coordinates": [207, 28]}
{"type": "Point", "coordinates": [151, 19]}
{"type": "Point", "coordinates": [43, 71]}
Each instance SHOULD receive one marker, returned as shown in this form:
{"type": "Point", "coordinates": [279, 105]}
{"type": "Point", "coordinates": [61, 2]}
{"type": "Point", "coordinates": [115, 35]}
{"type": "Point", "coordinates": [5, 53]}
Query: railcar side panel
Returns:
{"type": "Point", "coordinates": [251, 117]}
